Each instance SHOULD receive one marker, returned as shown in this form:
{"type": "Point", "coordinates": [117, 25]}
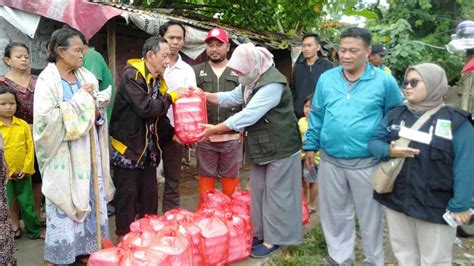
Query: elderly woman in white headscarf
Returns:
{"type": "Point", "coordinates": [437, 174]}
{"type": "Point", "coordinates": [272, 145]}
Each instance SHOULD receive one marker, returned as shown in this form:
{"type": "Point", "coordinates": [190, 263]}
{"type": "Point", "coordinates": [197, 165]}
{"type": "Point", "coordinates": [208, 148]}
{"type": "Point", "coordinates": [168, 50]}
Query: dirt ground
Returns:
{"type": "Point", "coordinates": [30, 252]}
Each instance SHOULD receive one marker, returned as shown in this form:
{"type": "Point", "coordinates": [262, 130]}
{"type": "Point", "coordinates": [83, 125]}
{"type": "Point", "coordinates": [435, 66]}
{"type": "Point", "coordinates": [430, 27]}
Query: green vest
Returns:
{"type": "Point", "coordinates": [275, 135]}
{"type": "Point", "coordinates": [207, 80]}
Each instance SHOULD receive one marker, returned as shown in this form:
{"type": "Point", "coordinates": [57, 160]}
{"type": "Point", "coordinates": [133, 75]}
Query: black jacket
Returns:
{"type": "Point", "coordinates": [425, 183]}
{"type": "Point", "coordinates": [133, 107]}
{"type": "Point", "coordinates": [304, 80]}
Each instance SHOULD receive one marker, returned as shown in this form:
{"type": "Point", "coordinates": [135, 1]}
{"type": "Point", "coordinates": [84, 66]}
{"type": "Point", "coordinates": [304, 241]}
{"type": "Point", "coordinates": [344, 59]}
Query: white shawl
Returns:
{"type": "Point", "coordinates": [62, 142]}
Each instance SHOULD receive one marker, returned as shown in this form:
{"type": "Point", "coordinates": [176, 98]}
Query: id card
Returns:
{"type": "Point", "coordinates": [415, 135]}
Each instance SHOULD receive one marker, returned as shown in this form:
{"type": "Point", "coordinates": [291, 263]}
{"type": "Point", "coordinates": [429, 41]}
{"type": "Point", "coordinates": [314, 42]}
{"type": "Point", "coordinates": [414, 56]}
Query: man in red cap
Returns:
{"type": "Point", "coordinates": [220, 156]}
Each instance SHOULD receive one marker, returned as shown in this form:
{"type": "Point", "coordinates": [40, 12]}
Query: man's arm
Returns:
{"type": "Point", "coordinates": [140, 101]}
{"type": "Point", "coordinates": [316, 118]}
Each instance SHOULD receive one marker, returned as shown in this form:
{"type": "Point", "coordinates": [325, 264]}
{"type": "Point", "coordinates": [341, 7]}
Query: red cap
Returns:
{"type": "Point", "coordinates": [218, 34]}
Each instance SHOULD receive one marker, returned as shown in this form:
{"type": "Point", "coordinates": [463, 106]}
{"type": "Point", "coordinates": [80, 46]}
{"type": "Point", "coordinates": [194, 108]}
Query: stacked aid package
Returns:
{"type": "Point", "coordinates": [190, 112]}
{"type": "Point", "coordinates": [217, 233]}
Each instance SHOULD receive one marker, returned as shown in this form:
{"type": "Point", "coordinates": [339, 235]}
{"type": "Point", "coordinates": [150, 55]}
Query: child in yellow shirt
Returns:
{"type": "Point", "coordinates": [309, 175]}
{"type": "Point", "coordinates": [19, 155]}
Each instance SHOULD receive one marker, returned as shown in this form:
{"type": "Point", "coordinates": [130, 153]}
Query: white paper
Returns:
{"type": "Point", "coordinates": [415, 135]}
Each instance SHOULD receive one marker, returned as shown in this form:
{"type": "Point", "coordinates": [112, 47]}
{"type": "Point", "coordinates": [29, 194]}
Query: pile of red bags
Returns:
{"type": "Point", "coordinates": [189, 112]}
{"type": "Point", "coordinates": [219, 232]}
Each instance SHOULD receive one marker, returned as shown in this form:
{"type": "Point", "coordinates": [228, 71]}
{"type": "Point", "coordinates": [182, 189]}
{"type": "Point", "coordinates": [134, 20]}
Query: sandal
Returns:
{"type": "Point", "coordinates": [17, 234]}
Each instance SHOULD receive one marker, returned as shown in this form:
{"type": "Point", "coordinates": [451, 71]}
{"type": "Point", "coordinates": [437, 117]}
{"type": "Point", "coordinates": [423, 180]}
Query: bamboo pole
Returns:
{"type": "Point", "coordinates": [96, 187]}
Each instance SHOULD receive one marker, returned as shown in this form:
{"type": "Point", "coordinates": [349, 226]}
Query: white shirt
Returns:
{"type": "Point", "coordinates": [180, 74]}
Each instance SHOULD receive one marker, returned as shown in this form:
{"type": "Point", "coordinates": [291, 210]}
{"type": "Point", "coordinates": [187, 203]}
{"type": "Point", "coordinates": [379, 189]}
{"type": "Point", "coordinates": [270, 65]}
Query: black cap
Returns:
{"type": "Point", "coordinates": [379, 49]}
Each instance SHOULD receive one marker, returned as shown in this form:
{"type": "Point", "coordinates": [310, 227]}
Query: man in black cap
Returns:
{"type": "Point", "coordinates": [377, 56]}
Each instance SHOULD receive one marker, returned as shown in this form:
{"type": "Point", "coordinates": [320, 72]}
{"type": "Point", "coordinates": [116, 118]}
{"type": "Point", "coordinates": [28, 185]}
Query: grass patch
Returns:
{"type": "Point", "coordinates": [311, 252]}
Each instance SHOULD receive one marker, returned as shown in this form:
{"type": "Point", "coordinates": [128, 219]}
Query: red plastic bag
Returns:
{"type": "Point", "coordinates": [138, 239]}
{"type": "Point", "coordinates": [193, 234]}
{"type": "Point", "coordinates": [249, 230]}
{"type": "Point", "coordinates": [106, 257]}
{"type": "Point", "coordinates": [241, 199]}
{"type": "Point", "coordinates": [239, 236]}
{"type": "Point", "coordinates": [137, 256]}
{"type": "Point", "coordinates": [215, 237]}
{"type": "Point", "coordinates": [189, 112]}
{"type": "Point", "coordinates": [174, 245]}
{"type": "Point", "coordinates": [149, 222]}
{"type": "Point", "coordinates": [306, 214]}
{"type": "Point", "coordinates": [213, 199]}
{"type": "Point", "coordinates": [179, 215]}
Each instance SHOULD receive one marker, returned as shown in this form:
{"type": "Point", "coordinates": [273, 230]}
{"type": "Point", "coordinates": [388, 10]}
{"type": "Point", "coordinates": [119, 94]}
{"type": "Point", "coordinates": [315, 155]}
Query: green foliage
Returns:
{"type": "Point", "coordinates": [409, 28]}
{"type": "Point", "coordinates": [363, 13]}
{"type": "Point", "coordinates": [417, 31]}
{"type": "Point", "coordinates": [311, 252]}
{"type": "Point", "coordinates": [397, 37]}
{"type": "Point", "coordinates": [291, 17]}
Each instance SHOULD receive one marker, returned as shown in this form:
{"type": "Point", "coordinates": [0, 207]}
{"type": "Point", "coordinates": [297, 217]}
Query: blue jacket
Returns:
{"type": "Point", "coordinates": [344, 117]}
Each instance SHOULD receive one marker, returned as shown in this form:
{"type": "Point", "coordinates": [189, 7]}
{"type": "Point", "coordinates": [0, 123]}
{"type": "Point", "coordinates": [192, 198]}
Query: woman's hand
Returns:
{"type": "Point", "coordinates": [462, 217]}
{"type": "Point", "coordinates": [209, 130]}
{"type": "Point", "coordinates": [89, 88]}
{"type": "Point", "coordinates": [402, 152]}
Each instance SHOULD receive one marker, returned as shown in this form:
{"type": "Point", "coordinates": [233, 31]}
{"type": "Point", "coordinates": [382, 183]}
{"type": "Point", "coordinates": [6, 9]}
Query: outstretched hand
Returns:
{"type": "Point", "coordinates": [209, 130]}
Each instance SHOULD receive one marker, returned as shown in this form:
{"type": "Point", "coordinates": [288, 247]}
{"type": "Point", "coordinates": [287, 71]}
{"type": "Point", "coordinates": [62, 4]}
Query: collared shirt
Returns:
{"type": "Point", "coordinates": [344, 115]}
{"type": "Point", "coordinates": [180, 74]}
{"type": "Point", "coordinates": [19, 148]}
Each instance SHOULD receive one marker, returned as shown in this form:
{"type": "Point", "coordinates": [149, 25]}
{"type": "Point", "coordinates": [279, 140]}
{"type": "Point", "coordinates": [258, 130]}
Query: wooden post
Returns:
{"type": "Point", "coordinates": [111, 48]}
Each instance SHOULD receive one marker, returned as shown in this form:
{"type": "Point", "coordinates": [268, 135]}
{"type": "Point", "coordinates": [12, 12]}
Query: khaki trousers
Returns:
{"type": "Point", "coordinates": [416, 242]}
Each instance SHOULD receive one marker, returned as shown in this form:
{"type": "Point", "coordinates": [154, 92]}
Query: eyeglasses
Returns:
{"type": "Point", "coordinates": [412, 82]}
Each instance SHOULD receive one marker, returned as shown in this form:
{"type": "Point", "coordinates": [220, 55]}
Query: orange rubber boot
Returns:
{"type": "Point", "coordinates": [229, 185]}
{"type": "Point", "coordinates": [206, 183]}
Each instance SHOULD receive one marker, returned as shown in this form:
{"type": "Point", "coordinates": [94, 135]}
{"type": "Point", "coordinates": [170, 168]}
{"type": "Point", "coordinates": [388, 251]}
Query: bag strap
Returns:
{"type": "Point", "coordinates": [403, 142]}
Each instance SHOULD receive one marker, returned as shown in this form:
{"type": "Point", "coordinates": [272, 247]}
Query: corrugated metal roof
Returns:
{"type": "Point", "coordinates": [271, 39]}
